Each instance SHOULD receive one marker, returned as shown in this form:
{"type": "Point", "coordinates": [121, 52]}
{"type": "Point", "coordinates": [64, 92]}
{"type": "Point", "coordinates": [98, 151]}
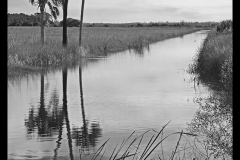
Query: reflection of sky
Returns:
{"type": "Point", "coordinates": [119, 11]}
{"type": "Point", "coordinates": [135, 83]}
{"type": "Point", "coordinates": [122, 93]}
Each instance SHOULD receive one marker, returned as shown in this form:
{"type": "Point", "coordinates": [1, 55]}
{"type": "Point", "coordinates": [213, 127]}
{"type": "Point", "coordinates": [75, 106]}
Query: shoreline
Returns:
{"type": "Point", "coordinates": [17, 71]}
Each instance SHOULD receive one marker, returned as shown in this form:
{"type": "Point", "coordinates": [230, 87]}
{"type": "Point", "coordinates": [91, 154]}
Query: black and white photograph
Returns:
{"type": "Point", "coordinates": [119, 80]}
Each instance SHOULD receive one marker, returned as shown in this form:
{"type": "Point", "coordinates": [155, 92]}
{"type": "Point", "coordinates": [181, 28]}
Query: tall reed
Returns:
{"type": "Point", "coordinates": [25, 49]}
{"type": "Point", "coordinates": [209, 62]}
{"type": "Point", "coordinates": [131, 148]}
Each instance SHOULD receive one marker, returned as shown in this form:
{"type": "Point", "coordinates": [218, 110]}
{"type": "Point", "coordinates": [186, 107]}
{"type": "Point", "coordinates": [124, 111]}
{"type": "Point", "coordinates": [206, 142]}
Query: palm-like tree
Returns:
{"type": "Point", "coordinates": [65, 6]}
{"type": "Point", "coordinates": [42, 5]}
{"type": "Point", "coordinates": [81, 22]}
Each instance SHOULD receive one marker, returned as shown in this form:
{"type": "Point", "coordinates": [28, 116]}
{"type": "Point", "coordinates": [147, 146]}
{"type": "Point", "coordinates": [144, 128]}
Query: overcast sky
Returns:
{"type": "Point", "coordinates": [120, 11]}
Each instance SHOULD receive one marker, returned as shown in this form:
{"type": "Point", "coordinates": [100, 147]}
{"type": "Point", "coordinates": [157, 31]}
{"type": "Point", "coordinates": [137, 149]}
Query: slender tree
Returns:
{"type": "Point", "coordinates": [81, 22]}
{"type": "Point", "coordinates": [65, 9]}
{"type": "Point", "coordinates": [42, 5]}
{"type": "Point", "coordinates": [64, 4]}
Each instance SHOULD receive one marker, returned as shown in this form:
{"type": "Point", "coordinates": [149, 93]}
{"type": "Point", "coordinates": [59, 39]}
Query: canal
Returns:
{"type": "Point", "coordinates": [73, 110]}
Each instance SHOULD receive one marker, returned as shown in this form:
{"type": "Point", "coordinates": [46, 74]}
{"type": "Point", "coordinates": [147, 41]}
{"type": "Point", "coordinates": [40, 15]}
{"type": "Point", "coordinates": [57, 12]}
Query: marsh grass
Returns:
{"type": "Point", "coordinates": [31, 53]}
{"type": "Point", "coordinates": [208, 65]}
{"type": "Point", "coordinates": [213, 119]}
{"type": "Point", "coordinates": [25, 49]}
{"type": "Point", "coordinates": [132, 148]}
{"type": "Point", "coordinates": [212, 66]}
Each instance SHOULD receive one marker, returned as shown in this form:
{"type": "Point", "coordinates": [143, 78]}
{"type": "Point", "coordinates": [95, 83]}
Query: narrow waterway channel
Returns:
{"type": "Point", "coordinates": [76, 109]}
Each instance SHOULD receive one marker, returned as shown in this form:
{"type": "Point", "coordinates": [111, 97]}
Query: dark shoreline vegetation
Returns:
{"type": "Point", "coordinates": [212, 67]}
{"type": "Point", "coordinates": [21, 19]}
{"type": "Point", "coordinates": [213, 63]}
{"type": "Point", "coordinates": [27, 55]}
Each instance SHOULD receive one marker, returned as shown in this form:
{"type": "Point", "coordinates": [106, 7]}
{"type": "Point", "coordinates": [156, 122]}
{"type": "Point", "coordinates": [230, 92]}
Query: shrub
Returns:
{"type": "Point", "coordinates": [224, 26]}
{"type": "Point", "coordinates": [207, 65]}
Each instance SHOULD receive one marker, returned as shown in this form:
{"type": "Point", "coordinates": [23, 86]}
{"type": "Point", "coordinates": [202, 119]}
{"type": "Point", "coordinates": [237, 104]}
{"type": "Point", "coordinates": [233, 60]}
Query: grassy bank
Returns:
{"type": "Point", "coordinates": [213, 63]}
{"type": "Point", "coordinates": [26, 54]}
{"type": "Point", "coordinates": [213, 67]}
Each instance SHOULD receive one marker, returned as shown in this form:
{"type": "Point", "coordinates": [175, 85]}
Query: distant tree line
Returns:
{"type": "Point", "coordinates": [224, 26]}
{"type": "Point", "coordinates": [34, 20]}
{"type": "Point", "coordinates": [22, 19]}
{"type": "Point", "coordinates": [154, 24]}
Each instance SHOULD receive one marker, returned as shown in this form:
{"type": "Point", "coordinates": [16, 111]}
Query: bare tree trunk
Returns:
{"type": "Point", "coordinates": [81, 22]}
{"type": "Point", "coordinates": [42, 25]}
{"type": "Point", "coordinates": [65, 5]}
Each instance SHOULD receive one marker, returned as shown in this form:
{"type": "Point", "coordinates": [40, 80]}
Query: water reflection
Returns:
{"type": "Point", "coordinates": [59, 137]}
{"type": "Point", "coordinates": [213, 120]}
{"type": "Point", "coordinates": [48, 120]}
{"type": "Point", "coordinates": [65, 111]}
{"type": "Point", "coordinates": [125, 85]}
{"type": "Point", "coordinates": [86, 136]}
{"type": "Point", "coordinates": [45, 121]}
{"type": "Point", "coordinates": [140, 51]}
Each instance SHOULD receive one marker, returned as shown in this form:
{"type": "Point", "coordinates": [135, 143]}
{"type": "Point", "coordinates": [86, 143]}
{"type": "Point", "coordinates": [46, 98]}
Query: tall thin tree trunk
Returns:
{"type": "Point", "coordinates": [81, 22]}
{"type": "Point", "coordinates": [42, 90]}
{"type": "Point", "coordinates": [42, 25]}
{"type": "Point", "coordinates": [65, 5]}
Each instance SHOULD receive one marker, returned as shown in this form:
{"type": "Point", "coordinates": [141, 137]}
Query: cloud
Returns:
{"type": "Point", "coordinates": [134, 13]}
{"type": "Point", "coordinates": [119, 11]}
{"type": "Point", "coordinates": [207, 13]}
{"type": "Point", "coordinates": [21, 6]}
{"type": "Point", "coordinates": [138, 13]}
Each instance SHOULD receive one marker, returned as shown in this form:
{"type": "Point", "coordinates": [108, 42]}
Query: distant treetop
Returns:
{"type": "Point", "coordinates": [21, 19]}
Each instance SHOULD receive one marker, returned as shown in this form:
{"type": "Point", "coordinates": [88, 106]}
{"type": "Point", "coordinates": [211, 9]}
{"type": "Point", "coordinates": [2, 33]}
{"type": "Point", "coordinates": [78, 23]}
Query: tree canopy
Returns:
{"type": "Point", "coordinates": [22, 19]}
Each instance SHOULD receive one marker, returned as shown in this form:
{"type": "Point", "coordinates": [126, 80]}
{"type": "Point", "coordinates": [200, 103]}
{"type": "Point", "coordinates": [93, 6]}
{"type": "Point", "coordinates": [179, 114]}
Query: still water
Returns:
{"type": "Point", "coordinates": [75, 109]}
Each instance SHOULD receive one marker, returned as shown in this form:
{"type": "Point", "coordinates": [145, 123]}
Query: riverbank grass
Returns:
{"type": "Point", "coordinates": [26, 51]}
{"type": "Point", "coordinates": [213, 63]}
{"type": "Point", "coordinates": [213, 67]}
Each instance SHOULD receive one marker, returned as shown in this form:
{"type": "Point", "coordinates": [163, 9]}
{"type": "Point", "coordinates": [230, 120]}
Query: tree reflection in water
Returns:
{"type": "Point", "coordinates": [65, 111]}
{"type": "Point", "coordinates": [86, 136]}
{"type": "Point", "coordinates": [47, 120]}
{"type": "Point", "coordinates": [140, 50]}
{"type": "Point", "coordinates": [214, 121]}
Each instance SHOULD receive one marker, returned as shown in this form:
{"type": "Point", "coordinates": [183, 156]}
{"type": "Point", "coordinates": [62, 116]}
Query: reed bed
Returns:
{"type": "Point", "coordinates": [212, 66]}
{"type": "Point", "coordinates": [26, 51]}
{"type": "Point", "coordinates": [213, 63]}
{"type": "Point", "coordinates": [132, 148]}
